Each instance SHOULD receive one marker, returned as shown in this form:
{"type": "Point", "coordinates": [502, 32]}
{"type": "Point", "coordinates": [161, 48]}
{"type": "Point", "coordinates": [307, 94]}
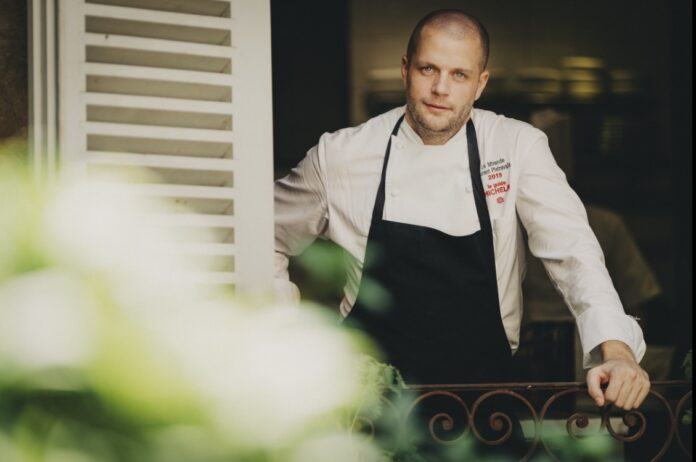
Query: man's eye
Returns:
{"type": "Point", "coordinates": [427, 69]}
{"type": "Point", "coordinates": [460, 75]}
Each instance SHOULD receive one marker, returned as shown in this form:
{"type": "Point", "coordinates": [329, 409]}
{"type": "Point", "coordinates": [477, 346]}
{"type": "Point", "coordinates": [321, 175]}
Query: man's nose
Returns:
{"type": "Point", "coordinates": [441, 84]}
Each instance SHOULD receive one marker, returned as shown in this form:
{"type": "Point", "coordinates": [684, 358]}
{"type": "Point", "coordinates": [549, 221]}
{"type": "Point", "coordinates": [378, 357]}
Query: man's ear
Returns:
{"type": "Point", "coordinates": [482, 81]}
{"type": "Point", "coordinates": [404, 68]}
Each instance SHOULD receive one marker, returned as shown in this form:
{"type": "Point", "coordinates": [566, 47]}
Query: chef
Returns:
{"type": "Point", "coordinates": [428, 201]}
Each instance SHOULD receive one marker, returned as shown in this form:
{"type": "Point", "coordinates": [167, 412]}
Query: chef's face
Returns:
{"type": "Point", "coordinates": [443, 79]}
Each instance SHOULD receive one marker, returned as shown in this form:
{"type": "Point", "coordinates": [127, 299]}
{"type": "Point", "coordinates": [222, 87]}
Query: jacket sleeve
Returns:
{"type": "Point", "coordinates": [301, 215]}
{"type": "Point", "coordinates": [559, 235]}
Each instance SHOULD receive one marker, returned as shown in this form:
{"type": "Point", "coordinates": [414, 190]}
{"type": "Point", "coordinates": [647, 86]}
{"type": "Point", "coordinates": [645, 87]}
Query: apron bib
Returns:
{"type": "Point", "coordinates": [442, 323]}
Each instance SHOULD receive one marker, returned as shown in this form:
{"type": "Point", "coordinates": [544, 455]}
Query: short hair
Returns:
{"type": "Point", "coordinates": [445, 16]}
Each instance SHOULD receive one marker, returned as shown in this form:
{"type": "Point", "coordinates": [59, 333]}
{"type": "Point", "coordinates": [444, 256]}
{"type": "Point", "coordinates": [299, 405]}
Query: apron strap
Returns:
{"type": "Point", "coordinates": [480, 199]}
{"type": "Point", "coordinates": [378, 210]}
{"type": "Point", "coordinates": [475, 169]}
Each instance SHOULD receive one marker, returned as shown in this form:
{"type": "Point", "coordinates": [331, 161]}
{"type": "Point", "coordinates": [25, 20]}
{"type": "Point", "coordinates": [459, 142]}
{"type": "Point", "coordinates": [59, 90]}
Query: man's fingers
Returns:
{"type": "Point", "coordinates": [635, 389]}
{"type": "Point", "coordinates": [645, 390]}
{"type": "Point", "coordinates": [630, 386]}
{"type": "Point", "coordinates": [613, 393]}
{"type": "Point", "coordinates": [594, 385]}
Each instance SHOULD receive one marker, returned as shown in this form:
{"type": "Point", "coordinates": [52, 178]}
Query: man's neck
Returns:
{"type": "Point", "coordinates": [433, 138]}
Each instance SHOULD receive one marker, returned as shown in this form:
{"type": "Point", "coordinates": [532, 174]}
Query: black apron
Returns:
{"type": "Point", "coordinates": [442, 322]}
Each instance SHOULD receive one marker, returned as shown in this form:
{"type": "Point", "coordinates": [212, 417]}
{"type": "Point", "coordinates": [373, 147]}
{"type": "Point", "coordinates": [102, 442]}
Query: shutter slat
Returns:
{"type": "Point", "coordinates": [158, 103]}
{"type": "Point", "coordinates": [161, 74]}
{"type": "Point", "coordinates": [193, 192]}
{"type": "Point", "coordinates": [158, 45]}
{"type": "Point", "coordinates": [195, 220]}
{"type": "Point", "coordinates": [159, 161]}
{"type": "Point", "coordinates": [158, 88]}
{"type": "Point", "coordinates": [219, 8]}
{"type": "Point", "coordinates": [161, 175]}
{"type": "Point", "coordinates": [158, 132]}
{"type": "Point", "coordinates": [160, 17]}
{"type": "Point", "coordinates": [222, 250]}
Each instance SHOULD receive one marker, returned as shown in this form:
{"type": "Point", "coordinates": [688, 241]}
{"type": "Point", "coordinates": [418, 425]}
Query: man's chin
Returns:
{"type": "Point", "coordinates": [432, 123]}
{"type": "Point", "coordinates": [437, 126]}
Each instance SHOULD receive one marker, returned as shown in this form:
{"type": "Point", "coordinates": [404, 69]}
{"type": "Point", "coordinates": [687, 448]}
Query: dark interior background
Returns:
{"type": "Point", "coordinates": [324, 53]}
{"type": "Point", "coordinates": [14, 107]}
{"type": "Point", "coordinates": [311, 65]}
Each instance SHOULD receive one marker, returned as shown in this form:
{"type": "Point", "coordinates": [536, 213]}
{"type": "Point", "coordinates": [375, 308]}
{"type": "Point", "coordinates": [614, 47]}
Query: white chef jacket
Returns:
{"type": "Point", "coordinates": [331, 194]}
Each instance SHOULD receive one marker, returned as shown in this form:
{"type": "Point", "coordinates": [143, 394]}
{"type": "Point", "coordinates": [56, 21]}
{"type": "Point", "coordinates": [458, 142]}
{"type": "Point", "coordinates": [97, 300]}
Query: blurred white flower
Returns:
{"type": "Point", "coordinates": [46, 321]}
{"type": "Point", "coordinates": [268, 372]}
{"type": "Point", "coordinates": [99, 226]}
{"type": "Point", "coordinates": [293, 368]}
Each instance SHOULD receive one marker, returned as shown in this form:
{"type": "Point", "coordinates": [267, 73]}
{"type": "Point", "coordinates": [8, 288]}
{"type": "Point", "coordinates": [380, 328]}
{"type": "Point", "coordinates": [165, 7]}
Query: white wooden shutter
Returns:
{"type": "Point", "coordinates": [42, 89]}
{"type": "Point", "coordinates": [183, 88]}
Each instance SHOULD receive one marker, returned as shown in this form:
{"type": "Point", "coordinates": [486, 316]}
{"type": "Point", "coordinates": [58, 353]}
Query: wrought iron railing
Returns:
{"type": "Point", "coordinates": [446, 415]}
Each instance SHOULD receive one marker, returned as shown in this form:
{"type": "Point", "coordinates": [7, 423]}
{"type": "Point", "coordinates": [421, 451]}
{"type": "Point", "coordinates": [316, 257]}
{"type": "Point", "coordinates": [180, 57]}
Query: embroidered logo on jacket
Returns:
{"type": "Point", "coordinates": [495, 176]}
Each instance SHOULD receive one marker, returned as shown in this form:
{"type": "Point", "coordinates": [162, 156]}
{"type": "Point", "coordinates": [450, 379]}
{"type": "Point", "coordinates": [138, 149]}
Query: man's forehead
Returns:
{"type": "Point", "coordinates": [451, 31]}
{"type": "Point", "coordinates": [435, 42]}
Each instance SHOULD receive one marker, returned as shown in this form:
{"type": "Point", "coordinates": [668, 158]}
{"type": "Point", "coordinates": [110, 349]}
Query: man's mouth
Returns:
{"type": "Point", "coordinates": [437, 107]}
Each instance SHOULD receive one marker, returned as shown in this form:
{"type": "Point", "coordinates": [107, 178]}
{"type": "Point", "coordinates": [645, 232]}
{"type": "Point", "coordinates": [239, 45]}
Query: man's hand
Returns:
{"type": "Point", "coordinates": [628, 383]}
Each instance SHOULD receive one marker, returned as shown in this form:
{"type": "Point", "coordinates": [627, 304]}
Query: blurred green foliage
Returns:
{"type": "Point", "coordinates": [319, 270]}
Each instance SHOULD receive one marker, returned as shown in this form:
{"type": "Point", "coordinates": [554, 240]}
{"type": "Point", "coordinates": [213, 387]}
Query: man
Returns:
{"type": "Point", "coordinates": [426, 201]}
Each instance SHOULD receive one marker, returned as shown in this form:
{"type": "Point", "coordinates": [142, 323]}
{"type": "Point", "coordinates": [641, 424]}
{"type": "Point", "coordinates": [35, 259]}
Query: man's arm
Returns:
{"type": "Point", "coordinates": [559, 234]}
{"type": "Point", "coordinates": [301, 215]}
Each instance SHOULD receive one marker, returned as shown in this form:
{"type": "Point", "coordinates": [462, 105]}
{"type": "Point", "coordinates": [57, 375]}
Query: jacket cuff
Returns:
{"type": "Point", "coordinates": [599, 325]}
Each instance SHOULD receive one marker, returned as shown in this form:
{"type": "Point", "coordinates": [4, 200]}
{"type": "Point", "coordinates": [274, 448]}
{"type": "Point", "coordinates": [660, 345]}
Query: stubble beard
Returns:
{"type": "Point", "coordinates": [428, 133]}
{"type": "Point", "coordinates": [424, 129]}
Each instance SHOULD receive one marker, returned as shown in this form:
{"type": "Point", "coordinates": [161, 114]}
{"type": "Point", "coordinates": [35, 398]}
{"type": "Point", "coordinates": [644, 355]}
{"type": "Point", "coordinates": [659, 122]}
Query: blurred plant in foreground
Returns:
{"type": "Point", "coordinates": [108, 351]}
